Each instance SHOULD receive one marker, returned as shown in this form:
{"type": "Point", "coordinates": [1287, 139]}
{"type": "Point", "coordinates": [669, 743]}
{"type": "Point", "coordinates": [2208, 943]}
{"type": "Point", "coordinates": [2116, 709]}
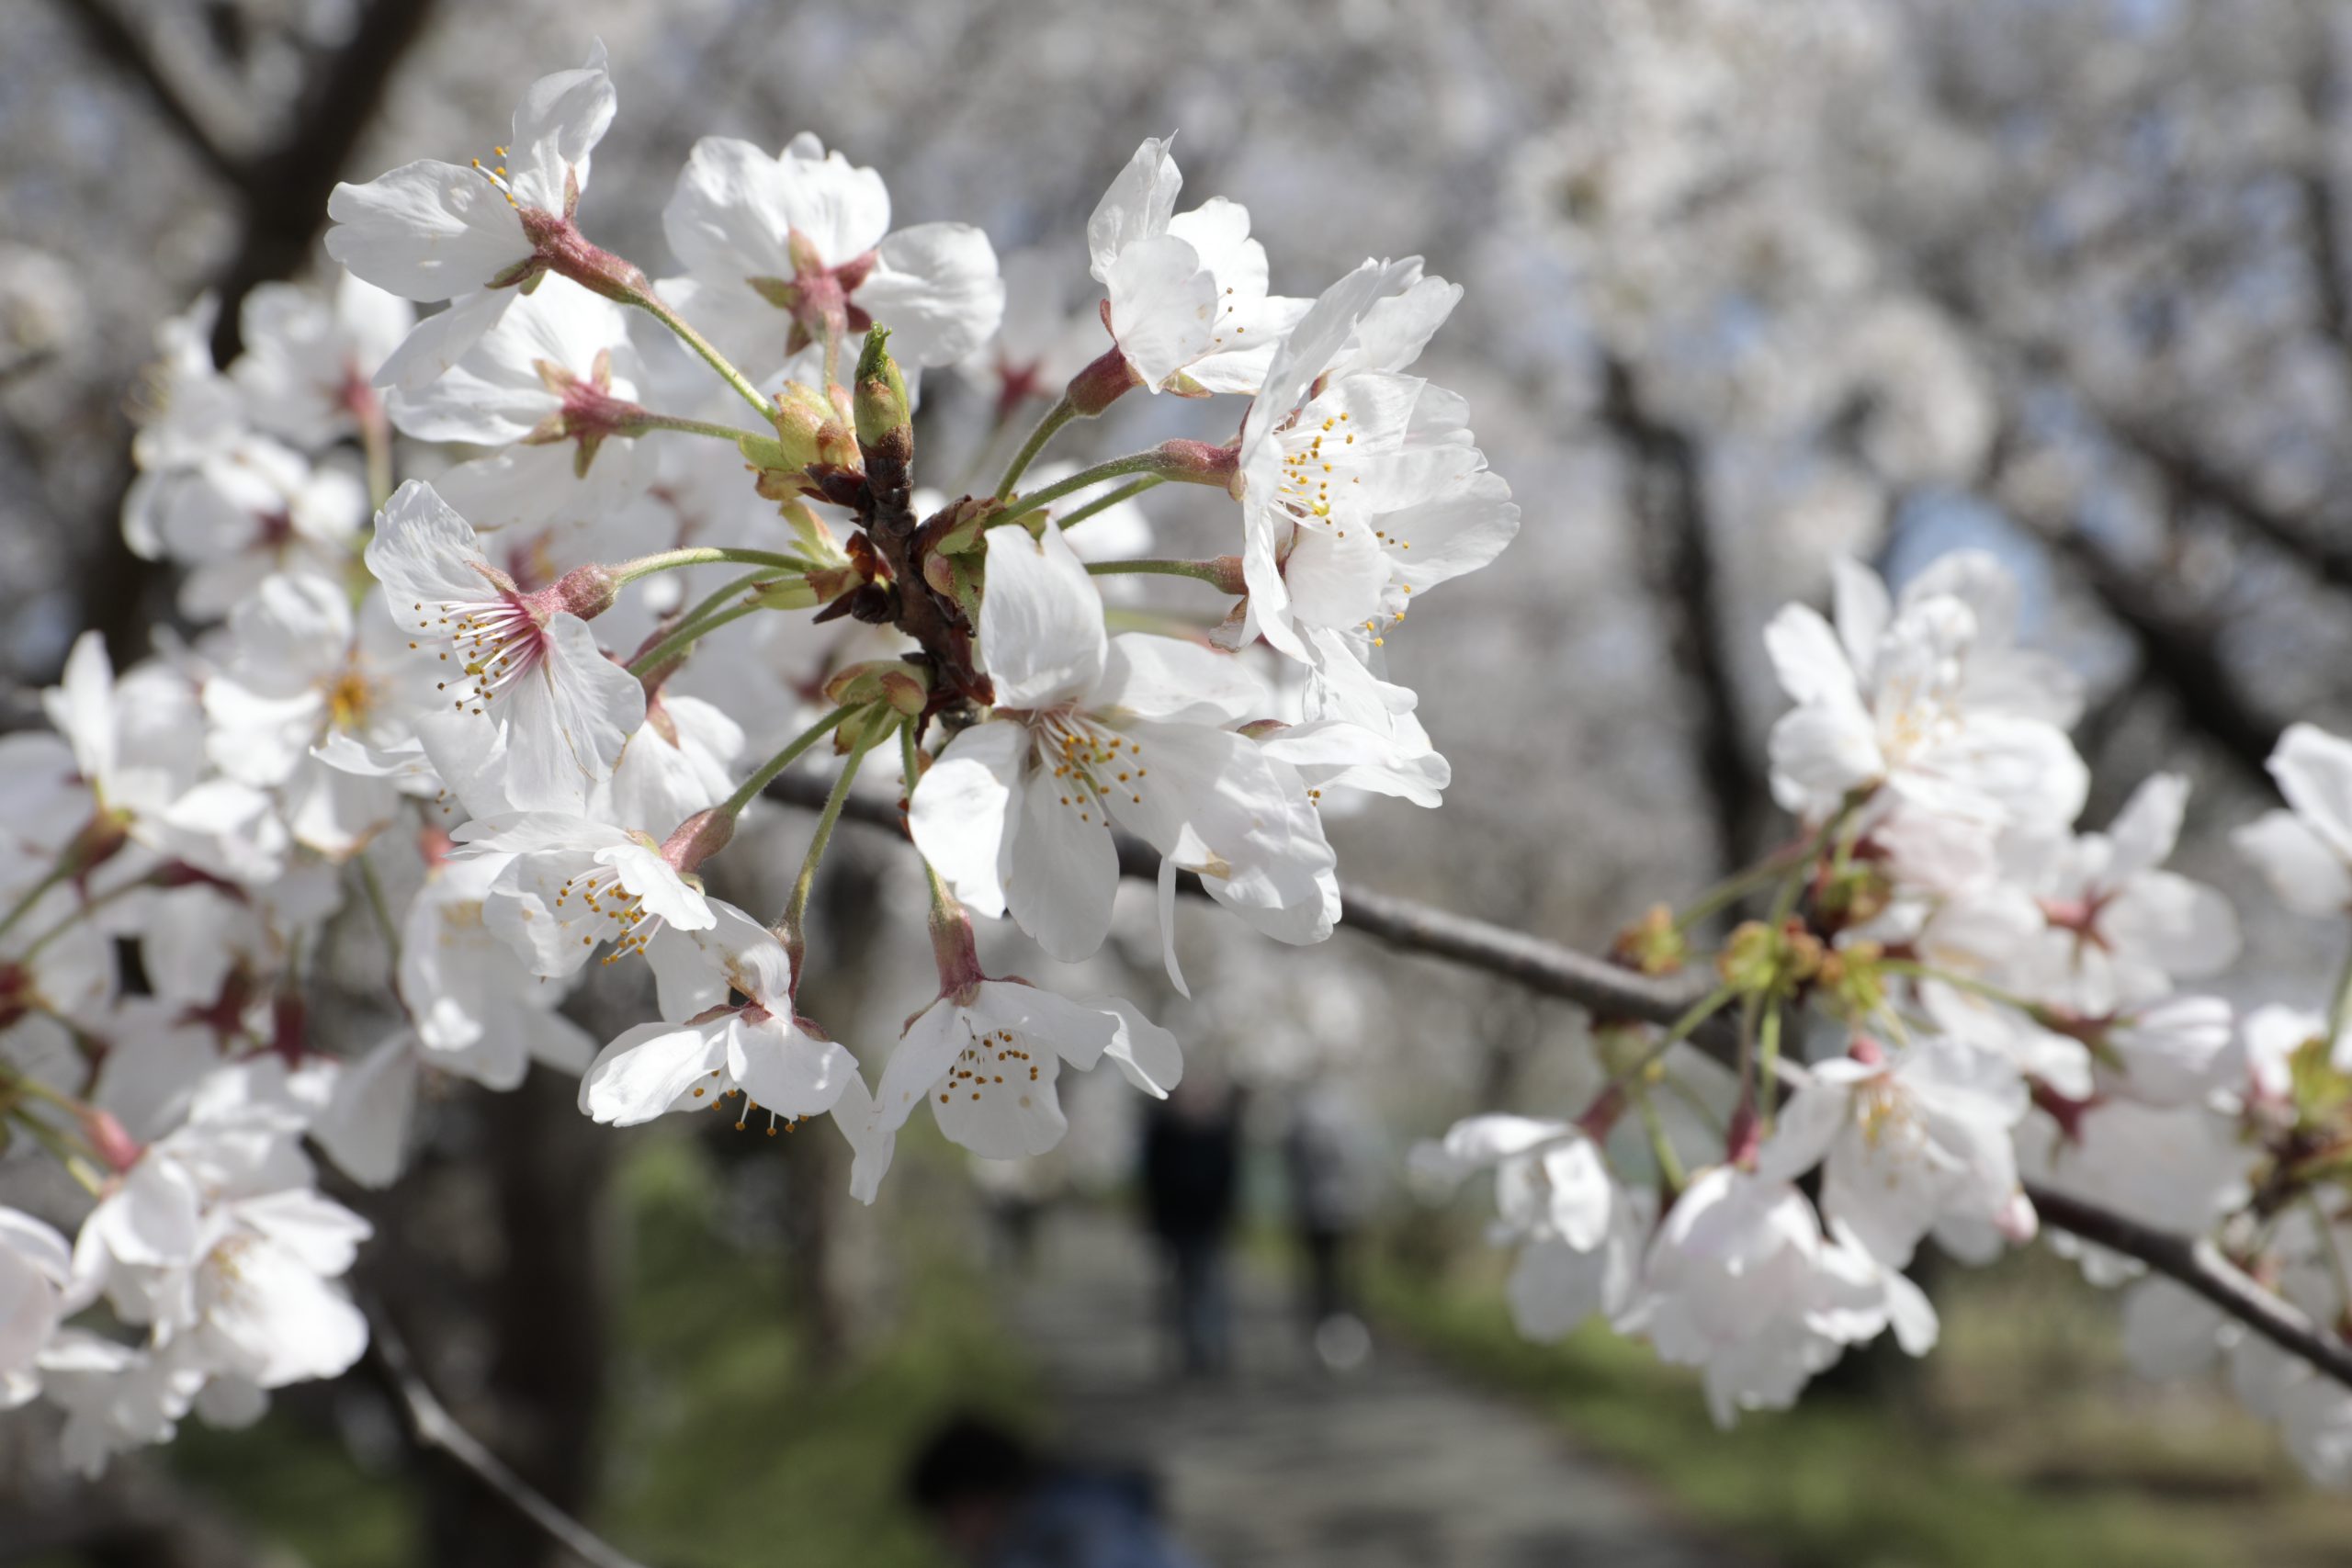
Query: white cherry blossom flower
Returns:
{"type": "Point", "coordinates": [985, 1055]}
{"type": "Point", "coordinates": [476, 1013]}
{"type": "Point", "coordinates": [1186, 300]}
{"type": "Point", "coordinates": [526, 661]}
{"type": "Point", "coordinates": [307, 671]}
{"type": "Point", "coordinates": [186, 409]}
{"type": "Point", "coordinates": [1580, 1234]}
{"type": "Point", "coordinates": [552, 383]}
{"type": "Point", "coordinates": [1740, 1281]}
{"type": "Point", "coordinates": [471, 234]}
{"type": "Point", "coordinates": [775, 246]}
{"type": "Point", "coordinates": [568, 885]}
{"type": "Point", "coordinates": [2171, 1169]}
{"type": "Point", "coordinates": [307, 371]}
{"type": "Point", "coordinates": [247, 513]}
{"type": "Point", "coordinates": [2305, 852]}
{"type": "Point", "coordinates": [2121, 928]}
{"type": "Point", "coordinates": [139, 743]}
{"type": "Point", "coordinates": [1093, 729]}
{"type": "Point", "coordinates": [1919, 698]}
{"type": "Point", "coordinates": [36, 1267]}
{"type": "Point", "coordinates": [1909, 1144]}
{"type": "Point", "coordinates": [758, 1048]}
{"type": "Point", "coordinates": [1360, 485]}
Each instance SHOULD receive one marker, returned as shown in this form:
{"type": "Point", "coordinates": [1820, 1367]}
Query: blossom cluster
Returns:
{"type": "Point", "coordinates": [454, 743]}
{"type": "Point", "coordinates": [1991, 997]}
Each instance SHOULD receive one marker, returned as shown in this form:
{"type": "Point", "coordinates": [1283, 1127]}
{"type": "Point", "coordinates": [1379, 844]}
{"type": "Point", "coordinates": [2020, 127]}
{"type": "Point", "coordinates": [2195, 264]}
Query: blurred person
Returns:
{"type": "Point", "coordinates": [996, 1504]}
{"type": "Point", "coordinates": [1016, 1193]}
{"type": "Point", "coordinates": [1190, 1159]}
{"type": "Point", "coordinates": [1330, 1150]}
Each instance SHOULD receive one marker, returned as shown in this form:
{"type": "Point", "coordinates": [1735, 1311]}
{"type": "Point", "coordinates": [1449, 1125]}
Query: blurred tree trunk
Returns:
{"type": "Point", "coordinates": [542, 1315]}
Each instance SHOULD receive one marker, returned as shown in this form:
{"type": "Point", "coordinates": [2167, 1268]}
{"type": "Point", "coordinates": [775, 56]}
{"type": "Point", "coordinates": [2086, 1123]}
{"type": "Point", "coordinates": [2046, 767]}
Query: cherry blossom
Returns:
{"type": "Point", "coordinates": [1186, 298]}
{"type": "Point", "coordinates": [776, 248]}
{"type": "Point", "coordinates": [1093, 729]}
{"type": "Point", "coordinates": [471, 233]}
{"type": "Point", "coordinates": [528, 662]}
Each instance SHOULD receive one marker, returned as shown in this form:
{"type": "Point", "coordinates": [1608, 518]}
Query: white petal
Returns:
{"type": "Point", "coordinates": [425, 231]}
{"type": "Point", "coordinates": [647, 1070]}
{"type": "Point", "coordinates": [965, 807]}
{"type": "Point", "coordinates": [1063, 872]}
{"type": "Point", "coordinates": [935, 287]}
{"type": "Point", "coordinates": [1041, 623]}
{"type": "Point", "coordinates": [1136, 207]}
{"type": "Point", "coordinates": [1163, 306]}
{"type": "Point", "coordinates": [1169, 678]}
{"type": "Point", "coordinates": [2305, 871]}
{"type": "Point", "coordinates": [561, 117]}
{"type": "Point", "coordinates": [1146, 1056]}
{"type": "Point", "coordinates": [2314, 773]}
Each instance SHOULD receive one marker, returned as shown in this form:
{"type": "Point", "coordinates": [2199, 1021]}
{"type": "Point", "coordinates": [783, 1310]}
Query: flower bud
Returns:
{"type": "Point", "coordinates": [698, 837]}
{"type": "Point", "coordinates": [586, 591]}
{"type": "Point", "coordinates": [906, 687]}
{"type": "Point", "coordinates": [794, 590]}
{"type": "Point", "coordinates": [109, 1140]}
{"type": "Point", "coordinates": [808, 430]}
{"type": "Point", "coordinates": [1101, 383]}
{"type": "Point", "coordinates": [1653, 945]}
{"type": "Point", "coordinates": [883, 414]}
{"type": "Point", "coordinates": [1197, 462]}
{"type": "Point", "coordinates": [808, 530]}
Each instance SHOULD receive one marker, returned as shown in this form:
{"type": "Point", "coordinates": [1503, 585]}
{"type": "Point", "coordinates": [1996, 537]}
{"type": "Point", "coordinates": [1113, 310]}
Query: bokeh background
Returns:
{"type": "Point", "coordinates": [1751, 284]}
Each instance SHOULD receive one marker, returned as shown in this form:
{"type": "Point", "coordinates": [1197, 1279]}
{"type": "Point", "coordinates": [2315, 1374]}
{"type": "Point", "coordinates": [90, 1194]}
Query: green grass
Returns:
{"type": "Point", "coordinates": [723, 1448]}
{"type": "Point", "coordinates": [2020, 1442]}
{"type": "Point", "coordinates": [730, 1453]}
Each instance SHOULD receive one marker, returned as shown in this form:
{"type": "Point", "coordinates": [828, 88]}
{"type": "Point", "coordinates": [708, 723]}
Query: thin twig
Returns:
{"type": "Point", "coordinates": [1603, 988]}
{"type": "Point", "coordinates": [431, 1425]}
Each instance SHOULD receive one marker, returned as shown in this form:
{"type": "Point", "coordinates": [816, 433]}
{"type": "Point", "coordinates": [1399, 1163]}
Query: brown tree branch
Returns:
{"type": "Point", "coordinates": [289, 188]}
{"type": "Point", "coordinates": [1603, 988]}
{"type": "Point", "coordinates": [114, 38]}
{"type": "Point", "coordinates": [432, 1428]}
{"type": "Point", "coordinates": [2183, 655]}
{"type": "Point", "coordinates": [1667, 493]}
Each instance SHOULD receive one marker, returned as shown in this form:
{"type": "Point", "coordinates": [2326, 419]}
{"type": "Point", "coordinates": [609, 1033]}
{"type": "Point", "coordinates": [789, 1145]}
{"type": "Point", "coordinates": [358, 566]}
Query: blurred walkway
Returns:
{"type": "Point", "coordinates": [1281, 1464]}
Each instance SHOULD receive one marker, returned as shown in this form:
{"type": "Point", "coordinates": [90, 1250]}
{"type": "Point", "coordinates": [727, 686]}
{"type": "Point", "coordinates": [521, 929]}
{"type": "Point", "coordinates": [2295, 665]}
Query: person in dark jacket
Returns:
{"type": "Point", "coordinates": [1191, 1161]}
{"type": "Point", "coordinates": [996, 1504]}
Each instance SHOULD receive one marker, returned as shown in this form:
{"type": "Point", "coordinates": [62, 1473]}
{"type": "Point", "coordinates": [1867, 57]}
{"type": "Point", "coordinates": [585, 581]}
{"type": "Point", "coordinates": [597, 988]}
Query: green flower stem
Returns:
{"type": "Point", "coordinates": [727, 433]}
{"type": "Point", "coordinates": [1918, 971]}
{"type": "Point", "coordinates": [1038, 499]}
{"type": "Point", "coordinates": [376, 901]}
{"type": "Point", "coordinates": [1769, 1061]}
{"type": "Point", "coordinates": [717, 599]}
{"type": "Point", "coordinates": [792, 751]}
{"type": "Point", "coordinates": [1669, 1166]}
{"type": "Point", "coordinates": [1061, 413]}
{"type": "Point", "coordinates": [1740, 884]}
{"type": "Point", "coordinates": [1104, 502]}
{"type": "Point", "coordinates": [796, 913]}
{"type": "Point", "coordinates": [684, 637]}
{"type": "Point", "coordinates": [910, 760]}
{"type": "Point", "coordinates": [1208, 572]}
{"type": "Point", "coordinates": [32, 896]}
{"type": "Point", "coordinates": [2339, 1006]}
{"type": "Point", "coordinates": [1700, 1011]}
{"type": "Point", "coordinates": [651, 304]}
{"type": "Point", "coordinates": [629, 571]}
